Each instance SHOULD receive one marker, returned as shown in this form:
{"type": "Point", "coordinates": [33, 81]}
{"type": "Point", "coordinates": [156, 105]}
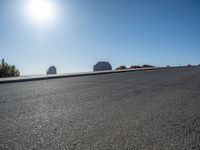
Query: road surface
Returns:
{"type": "Point", "coordinates": [152, 109]}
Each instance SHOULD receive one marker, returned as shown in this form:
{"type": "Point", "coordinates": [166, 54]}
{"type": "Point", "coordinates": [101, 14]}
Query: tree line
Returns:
{"type": "Point", "coordinates": [7, 70]}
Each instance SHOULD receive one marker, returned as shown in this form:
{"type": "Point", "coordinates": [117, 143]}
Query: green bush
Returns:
{"type": "Point", "coordinates": [7, 70]}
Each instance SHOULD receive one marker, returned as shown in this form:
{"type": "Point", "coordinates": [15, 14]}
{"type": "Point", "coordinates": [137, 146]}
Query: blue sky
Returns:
{"type": "Point", "coordinates": [123, 32]}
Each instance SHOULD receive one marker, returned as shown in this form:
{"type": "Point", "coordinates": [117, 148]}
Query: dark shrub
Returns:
{"type": "Point", "coordinates": [121, 68]}
{"type": "Point", "coordinates": [147, 66]}
{"type": "Point", "coordinates": [7, 70]}
{"type": "Point", "coordinates": [135, 67]}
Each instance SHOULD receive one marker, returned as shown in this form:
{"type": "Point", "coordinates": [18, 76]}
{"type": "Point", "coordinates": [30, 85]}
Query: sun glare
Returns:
{"type": "Point", "coordinates": [41, 11]}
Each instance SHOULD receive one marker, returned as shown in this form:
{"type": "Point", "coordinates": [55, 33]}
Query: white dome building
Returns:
{"type": "Point", "coordinates": [102, 66]}
{"type": "Point", "coordinates": [52, 70]}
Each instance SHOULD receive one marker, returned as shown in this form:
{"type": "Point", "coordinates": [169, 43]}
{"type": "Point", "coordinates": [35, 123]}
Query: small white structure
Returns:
{"type": "Point", "coordinates": [52, 70]}
{"type": "Point", "coordinates": [102, 66]}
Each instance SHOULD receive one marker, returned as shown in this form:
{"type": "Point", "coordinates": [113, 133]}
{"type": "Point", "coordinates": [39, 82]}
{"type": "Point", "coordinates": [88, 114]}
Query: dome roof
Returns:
{"type": "Point", "coordinates": [102, 66]}
{"type": "Point", "coordinates": [52, 70]}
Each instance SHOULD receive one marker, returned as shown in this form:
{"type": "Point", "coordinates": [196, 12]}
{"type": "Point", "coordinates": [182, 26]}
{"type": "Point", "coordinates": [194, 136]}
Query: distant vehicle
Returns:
{"type": "Point", "coordinates": [102, 66]}
{"type": "Point", "coordinates": [52, 70]}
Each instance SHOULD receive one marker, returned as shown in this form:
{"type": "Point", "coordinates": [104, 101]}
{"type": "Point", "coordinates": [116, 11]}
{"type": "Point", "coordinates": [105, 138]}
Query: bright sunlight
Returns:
{"type": "Point", "coordinates": [41, 11]}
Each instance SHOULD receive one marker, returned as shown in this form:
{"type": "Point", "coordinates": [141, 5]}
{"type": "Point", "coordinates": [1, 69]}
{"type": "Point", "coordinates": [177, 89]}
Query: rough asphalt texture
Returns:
{"type": "Point", "coordinates": [155, 109]}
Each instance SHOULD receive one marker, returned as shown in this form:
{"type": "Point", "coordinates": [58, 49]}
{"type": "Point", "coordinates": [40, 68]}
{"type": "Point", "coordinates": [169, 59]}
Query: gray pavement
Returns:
{"type": "Point", "coordinates": [152, 109]}
{"type": "Point", "coordinates": [58, 76]}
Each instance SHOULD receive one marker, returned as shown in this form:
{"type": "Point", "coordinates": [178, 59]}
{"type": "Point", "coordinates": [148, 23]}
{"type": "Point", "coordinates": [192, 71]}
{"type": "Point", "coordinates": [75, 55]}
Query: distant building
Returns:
{"type": "Point", "coordinates": [52, 70]}
{"type": "Point", "coordinates": [102, 66]}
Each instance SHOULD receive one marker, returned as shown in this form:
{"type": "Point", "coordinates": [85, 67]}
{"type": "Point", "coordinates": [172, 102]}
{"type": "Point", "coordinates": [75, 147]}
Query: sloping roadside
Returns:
{"type": "Point", "coordinates": [47, 77]}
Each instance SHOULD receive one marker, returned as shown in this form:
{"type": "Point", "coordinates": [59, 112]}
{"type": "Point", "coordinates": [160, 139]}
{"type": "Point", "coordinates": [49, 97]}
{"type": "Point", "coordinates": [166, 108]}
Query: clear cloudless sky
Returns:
{"type": "Point", "coordinates": [123, 32]}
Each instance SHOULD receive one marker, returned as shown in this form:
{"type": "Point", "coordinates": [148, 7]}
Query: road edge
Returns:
{"type": "Point", "coordinates": [48, 77]}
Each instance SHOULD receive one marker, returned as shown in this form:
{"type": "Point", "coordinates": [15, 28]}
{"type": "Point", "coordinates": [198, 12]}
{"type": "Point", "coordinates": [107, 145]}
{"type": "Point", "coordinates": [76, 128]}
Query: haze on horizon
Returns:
{"type": "Point", "coordinates": [74, 34]}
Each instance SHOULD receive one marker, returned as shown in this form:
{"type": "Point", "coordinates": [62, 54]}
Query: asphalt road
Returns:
{"type": "Point", "coordinates": [154, 109]}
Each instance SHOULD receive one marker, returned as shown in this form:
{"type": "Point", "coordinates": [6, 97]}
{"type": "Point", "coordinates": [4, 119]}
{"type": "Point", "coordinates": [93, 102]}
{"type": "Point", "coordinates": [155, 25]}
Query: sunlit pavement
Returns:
{"type": "Point", "coordinates": [152, 109]}
{"type": "Point", "coordinates": [56, 76]}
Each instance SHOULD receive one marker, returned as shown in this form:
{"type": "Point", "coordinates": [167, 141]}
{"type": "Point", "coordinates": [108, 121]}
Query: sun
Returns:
{"type": "Point", "coordinates": [41, 11]}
